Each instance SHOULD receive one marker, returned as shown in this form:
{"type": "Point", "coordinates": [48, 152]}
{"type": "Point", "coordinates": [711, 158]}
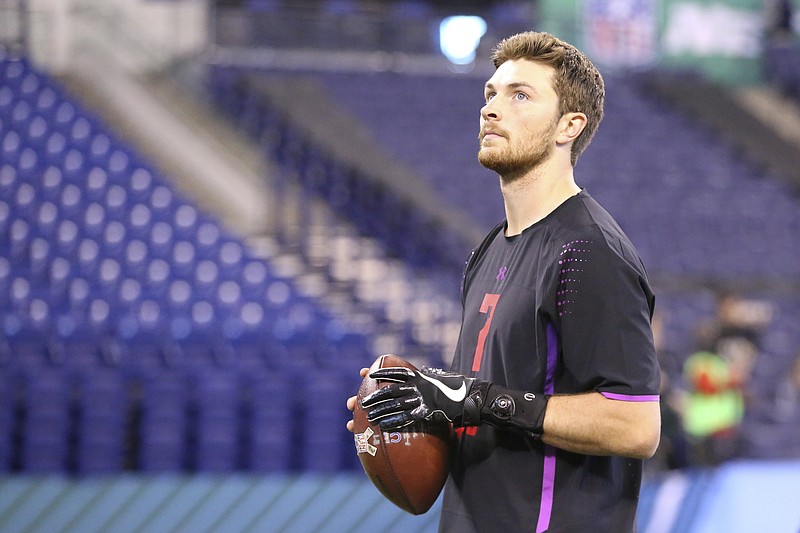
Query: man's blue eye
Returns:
{"type": "Point", "coordinates": [521, 96]}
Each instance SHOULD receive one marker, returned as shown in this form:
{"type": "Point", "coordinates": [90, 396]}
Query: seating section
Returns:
{"type": "Point", "coordinates": [135, 329]}
{"type": "Point", "coordinates": [665, 177]}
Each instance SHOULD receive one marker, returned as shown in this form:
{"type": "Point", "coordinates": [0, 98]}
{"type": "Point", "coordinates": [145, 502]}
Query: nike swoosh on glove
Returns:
{"type": "Point", "coordinates": [416, 395]}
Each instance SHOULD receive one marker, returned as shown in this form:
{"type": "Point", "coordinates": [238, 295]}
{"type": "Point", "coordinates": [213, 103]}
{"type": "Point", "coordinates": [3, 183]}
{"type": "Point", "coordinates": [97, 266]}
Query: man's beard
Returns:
{"type": "Point", "coordinates": [511, 162]}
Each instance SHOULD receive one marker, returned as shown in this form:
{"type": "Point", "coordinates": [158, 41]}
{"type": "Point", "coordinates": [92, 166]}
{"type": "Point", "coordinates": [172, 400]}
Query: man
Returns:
{"type": "Point", "coordinates": [555, 380]}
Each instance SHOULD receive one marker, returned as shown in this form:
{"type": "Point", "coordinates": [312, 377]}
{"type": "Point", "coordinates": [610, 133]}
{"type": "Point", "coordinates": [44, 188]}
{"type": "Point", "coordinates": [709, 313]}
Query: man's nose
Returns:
{"type": "Point", "coordinates": [489, 112]}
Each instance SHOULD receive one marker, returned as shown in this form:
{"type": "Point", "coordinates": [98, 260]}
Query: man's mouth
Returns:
{"type": "Point", "coordinates": [490, 134]}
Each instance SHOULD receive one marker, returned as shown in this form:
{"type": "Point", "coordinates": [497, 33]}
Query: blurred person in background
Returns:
{"type": "Point", "coordinates": [717, 378]}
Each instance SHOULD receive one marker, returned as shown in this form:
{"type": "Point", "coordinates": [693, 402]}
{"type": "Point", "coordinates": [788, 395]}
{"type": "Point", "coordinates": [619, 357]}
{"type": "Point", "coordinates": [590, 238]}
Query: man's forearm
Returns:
{"type": "Point", "coordinates": [592, 424]}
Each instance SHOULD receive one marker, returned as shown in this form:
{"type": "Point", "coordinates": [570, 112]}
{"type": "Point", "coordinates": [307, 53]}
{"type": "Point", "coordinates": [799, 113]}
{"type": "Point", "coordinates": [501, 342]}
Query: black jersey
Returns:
{"type": "Point", "coordinates": [564, 307]}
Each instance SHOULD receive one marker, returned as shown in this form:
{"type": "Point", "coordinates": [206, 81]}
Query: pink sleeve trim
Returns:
{"type": "Point", "coordinates": [631, 397]}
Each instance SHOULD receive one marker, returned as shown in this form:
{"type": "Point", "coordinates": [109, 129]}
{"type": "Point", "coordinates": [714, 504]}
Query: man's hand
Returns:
{"type": "Point", "coordinates": [351, 403]}
{"type": "Point", "coordinates": [420, 394]}
{"type": "Point", "coordinates": [416, 395]}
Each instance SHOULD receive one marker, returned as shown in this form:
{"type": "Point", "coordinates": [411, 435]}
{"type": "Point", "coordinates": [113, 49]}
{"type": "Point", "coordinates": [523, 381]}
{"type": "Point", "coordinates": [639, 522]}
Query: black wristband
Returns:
{"type": "Point", "coordinates": [514, 410]}
{"type": "Point", "coordinates": [518, 411]}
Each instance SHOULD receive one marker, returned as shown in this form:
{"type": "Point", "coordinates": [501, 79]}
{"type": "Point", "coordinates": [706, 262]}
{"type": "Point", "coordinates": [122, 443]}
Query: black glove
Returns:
{"type": "Point", "coordinates": [418, 395]}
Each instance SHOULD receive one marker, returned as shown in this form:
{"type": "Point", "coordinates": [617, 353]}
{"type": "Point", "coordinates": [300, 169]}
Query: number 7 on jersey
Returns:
{"type": "Point", "coordinates": [487, 306]}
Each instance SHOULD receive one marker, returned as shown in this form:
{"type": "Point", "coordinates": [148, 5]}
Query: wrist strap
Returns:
{"type": "Point", "coordinates": [503, 408]}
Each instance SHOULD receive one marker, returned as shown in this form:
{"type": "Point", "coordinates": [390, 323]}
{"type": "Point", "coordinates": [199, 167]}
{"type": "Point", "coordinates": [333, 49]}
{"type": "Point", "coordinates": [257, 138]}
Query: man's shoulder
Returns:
{"type": "Point", "coordinates": [585, 215]}
{"type": "Point", "coordinates": [587, 223]}
{"type": "Point", "coordinates": [582, 213]}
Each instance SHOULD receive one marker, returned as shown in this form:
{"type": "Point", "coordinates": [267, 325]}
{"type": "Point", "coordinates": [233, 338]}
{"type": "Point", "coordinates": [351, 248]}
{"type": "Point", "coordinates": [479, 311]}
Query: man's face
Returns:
{"type": "Point", "coordinates": [519, 120]}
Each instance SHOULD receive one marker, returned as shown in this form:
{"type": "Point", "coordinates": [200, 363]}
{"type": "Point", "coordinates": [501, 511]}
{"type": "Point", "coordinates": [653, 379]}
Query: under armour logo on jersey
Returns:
{"type": "Point", "coordinates": [501, 274]}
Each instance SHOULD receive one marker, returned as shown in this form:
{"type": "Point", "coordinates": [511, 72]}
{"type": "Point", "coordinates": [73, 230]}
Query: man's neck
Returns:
{"type": "Point", "coordinates": [530, 198]}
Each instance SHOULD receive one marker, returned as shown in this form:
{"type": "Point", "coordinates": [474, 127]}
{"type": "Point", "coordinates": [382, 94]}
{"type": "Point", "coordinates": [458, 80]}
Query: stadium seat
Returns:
{"type": "Point", "coordinates": [139, 184]}
{"type": "Point", "coordinates": [104, 408]}
{"type": "Point", "coordinates": [141, 339]}
{"type": "Point", "coordinates": [325, 447]}
{"type": "Point", "coordinates": [163, 431]}
{"type": "Point", "coordinates": [217, 403]}
{"type": "Point", "coordinates": [183, 260]}
{"type": "Point", "coordinates": [82, 341]}
{"type": "Point", "coordinates": [195, 337]}
{"type": "Point", "coordinates": [8, 414]}
{"type": "Point", "coordinates": [46, 428]}
{"type": "Point", "coordinates": [186, 220]}
{"type": "Point", "coordinates": [273, 436]}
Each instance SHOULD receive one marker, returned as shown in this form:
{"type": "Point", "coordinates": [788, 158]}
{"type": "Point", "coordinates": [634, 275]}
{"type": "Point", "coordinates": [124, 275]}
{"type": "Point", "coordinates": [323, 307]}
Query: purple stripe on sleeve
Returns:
{"type": "Point", "coordinates": [548, 483]}
{"type": "Point", "coordinates": [549, 468]}
{"type": "Point", "coordinates": [631, 397]}
{"type": "Point", "coordinates": [552, 358]}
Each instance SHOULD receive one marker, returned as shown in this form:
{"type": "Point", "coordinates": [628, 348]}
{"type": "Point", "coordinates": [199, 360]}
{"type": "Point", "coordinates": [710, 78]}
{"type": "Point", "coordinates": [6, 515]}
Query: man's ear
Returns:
{"type": "Point", "coordinates": [570, 126]}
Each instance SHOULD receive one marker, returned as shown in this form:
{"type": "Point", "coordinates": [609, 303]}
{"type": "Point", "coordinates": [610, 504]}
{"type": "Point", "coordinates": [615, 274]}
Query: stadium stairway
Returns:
{"type": "Point", "coordinates": [171, 121]}
{"type": "Point", "coordinates": [207, 160]}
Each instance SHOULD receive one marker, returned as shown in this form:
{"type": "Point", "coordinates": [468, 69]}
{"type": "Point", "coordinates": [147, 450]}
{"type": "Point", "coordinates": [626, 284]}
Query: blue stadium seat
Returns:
{"type": "Point", "coordinates": [47, 220]}
{"type": "Point", "coordinates": [216, 397]}
{"type": "Point", "coordinates": [81, 134]}
{"type": "Point", "coordinates": [183, 260]}
{"type": "Point", "coordinates": [78, 343]}
{"type": "Point", "coordinates": [141, 340]}
{"type": "Point", "coordinates": [230, 259]}
{"type": "Point", "coordinates": [103, 412]}
{"type": "Point", "coordinates": [46, 101]}
{"type": "Point", "coordinates": [5, 280]}
{"type": "Point", "coordinates": [162, 203]}
{"type": "Point", "coordinates": [195, 337]}
{"type": "Point", "coordinates": [39, 259]}
{"type": "Point", "coordinates": [208, 240]}
{"type": "Point", "coordinates": [28, 341]}
{"type": "Point", "coordinates": [163, 431]}
{"type": "Point", "coordinates": [139, 222]}
{"type": "Point", "coordinates": [246, 336]}
{"type": "Point", "coordinates": [186, 220]}
{"type": "Point", "coordinates": [325, 447]}
{"type": "Point", "coordinates": [8, 413]}
{"type": "Point", "coordinates": [113, 240]}
{"type": "Point", "coordinates": [135, 258]}
{"type": "Point", "coordinates": [157, 278]}
{"type": "Point", "coordinates": [161, 242]}
{"type": "Point", "coordinates": [272, 429]}
{"type": "Point", "coordinates": [140, 184]}
{"type": "Point", "coordinates": [46, 428]}
{"type": "Point", "coordinates": [64, 116]}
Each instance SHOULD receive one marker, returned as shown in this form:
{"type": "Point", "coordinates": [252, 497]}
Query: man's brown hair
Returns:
{"type": "Point", "coordinates": [577, 82]}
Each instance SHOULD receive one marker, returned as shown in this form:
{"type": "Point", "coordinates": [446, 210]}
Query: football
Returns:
{"type": "Point", "coordinates": [409, 466]}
